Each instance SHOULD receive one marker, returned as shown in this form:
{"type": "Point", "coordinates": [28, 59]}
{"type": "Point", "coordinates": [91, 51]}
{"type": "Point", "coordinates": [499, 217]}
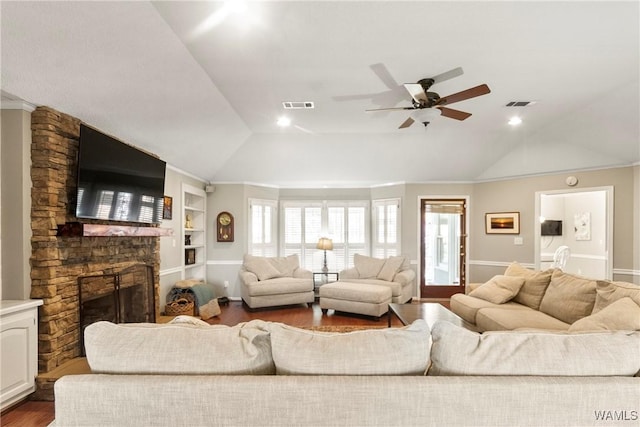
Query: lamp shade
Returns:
{"type": "Point", "coordinates": [325, 244]}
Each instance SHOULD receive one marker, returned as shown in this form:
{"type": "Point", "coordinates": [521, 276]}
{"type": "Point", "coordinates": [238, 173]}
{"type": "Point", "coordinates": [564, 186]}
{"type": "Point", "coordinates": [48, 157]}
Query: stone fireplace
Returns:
{"type": "Point", "coordinates": [58, 261]}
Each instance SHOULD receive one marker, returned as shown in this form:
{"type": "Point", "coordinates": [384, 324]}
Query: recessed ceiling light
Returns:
{"type": "Point", "coordinates": [515, 120]}
{"type": "Point", "coordinates": [283, 122]}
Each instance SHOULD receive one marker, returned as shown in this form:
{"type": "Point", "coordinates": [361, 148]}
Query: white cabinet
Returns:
{"type": "Point", "coordinates": [194, 232]}
{"type": "Point", "coordinates": [19, 349]}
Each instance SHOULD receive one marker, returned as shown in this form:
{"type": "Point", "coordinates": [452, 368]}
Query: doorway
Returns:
{"type": "Point", "coordinates": [443, 242]}
{"type": "Point", "coordinates": [585, 218]}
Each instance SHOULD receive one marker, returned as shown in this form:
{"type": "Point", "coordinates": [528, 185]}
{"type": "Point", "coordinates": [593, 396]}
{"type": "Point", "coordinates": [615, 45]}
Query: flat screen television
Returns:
{"type": "Point", "coordinates": [117, 182]}
{"type": "Point", "coordinates": [551, 227]}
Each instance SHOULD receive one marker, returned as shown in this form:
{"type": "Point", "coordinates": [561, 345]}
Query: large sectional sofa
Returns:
{"type": "Point", "coordinates": [551, 299]}
{"type": "Point", "coordinates": [270, 374]}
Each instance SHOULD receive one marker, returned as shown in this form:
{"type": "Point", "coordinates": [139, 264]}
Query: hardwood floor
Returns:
{"type": "Point", "coordinates": [41, 414]}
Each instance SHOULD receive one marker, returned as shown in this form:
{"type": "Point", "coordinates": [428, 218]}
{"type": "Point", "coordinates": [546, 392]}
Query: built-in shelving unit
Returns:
{"type": "Point", "coordinates": [194, 232]}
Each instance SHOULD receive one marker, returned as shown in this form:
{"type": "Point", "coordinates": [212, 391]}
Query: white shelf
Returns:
{"type": "Point", "coordinates": [194, 204]}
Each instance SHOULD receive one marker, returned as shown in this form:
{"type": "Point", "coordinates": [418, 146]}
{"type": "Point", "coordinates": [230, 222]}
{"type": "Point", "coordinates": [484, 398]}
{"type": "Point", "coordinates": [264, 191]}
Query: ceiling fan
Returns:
{"type": "Point", "coordinates": [421, 98]}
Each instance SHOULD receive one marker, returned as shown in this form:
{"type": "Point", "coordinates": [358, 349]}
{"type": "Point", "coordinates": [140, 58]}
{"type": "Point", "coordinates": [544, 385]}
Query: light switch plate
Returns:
{"type": "Point", "coordinates": [517, 241]}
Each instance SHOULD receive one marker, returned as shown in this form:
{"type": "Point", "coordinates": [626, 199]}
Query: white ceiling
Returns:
{"type": "Point", "coordinates": [206, 99]}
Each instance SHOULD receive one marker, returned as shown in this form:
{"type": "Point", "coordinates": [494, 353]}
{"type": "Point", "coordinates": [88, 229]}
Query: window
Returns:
{"type": "Point", "coordinates": [386, 228]}
{"type": "Point", "coordinates": [345, 222]}
{"type": "Point", "coordinates": [262, 227]}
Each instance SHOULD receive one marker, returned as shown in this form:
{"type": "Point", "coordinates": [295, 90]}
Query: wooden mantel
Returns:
{"type": "Point", "coordinates": [77, 229]}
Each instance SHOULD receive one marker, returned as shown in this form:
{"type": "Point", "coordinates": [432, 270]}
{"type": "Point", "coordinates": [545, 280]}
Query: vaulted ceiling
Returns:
{"type": "Point", "coordinates": [201, 84]}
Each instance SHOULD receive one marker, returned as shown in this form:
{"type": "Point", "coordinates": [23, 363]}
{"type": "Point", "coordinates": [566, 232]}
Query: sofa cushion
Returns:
{"type": "Point", "coordinates": [608, 292]}
{"type": "Point", "coordinates": [569, 297]}
{"type": "Point", "coordinates": [285, 265]}
{"type": "Point", "coordinates": [499, 289]}
{"type": "Point", "coordinates": [396, 287]}
{"type": "Point", "coordinates": [390, 267]}
{"type": "Point", "coordinates": [367, 266]}
{"type": "Point", "coordinates": [457, 351]}
{"type": "Point", "coordinates": [389, 351]}
{"type": "Point", "coordinates": [622, 315]}
{"type": "Point", "coordinates": [149, 348]}
{"type": "Point", "coordinates": [467, 307]}
{"type": "Point", "coordinates": [279, 285]}
{"type": "Point", "coordinates": [535, 284]}
{"type": "Point", "coordinates": [508, 318]}
{"type": "Point", "coordinates": [261, 267]}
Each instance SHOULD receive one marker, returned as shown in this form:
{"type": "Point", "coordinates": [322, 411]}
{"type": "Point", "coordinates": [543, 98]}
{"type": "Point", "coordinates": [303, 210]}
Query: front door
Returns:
{"type": "Point", "coordinates": [442, 247]}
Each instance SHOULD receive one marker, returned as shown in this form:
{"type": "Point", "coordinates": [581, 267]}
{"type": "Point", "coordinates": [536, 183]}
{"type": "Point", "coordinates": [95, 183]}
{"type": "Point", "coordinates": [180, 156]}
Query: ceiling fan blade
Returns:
{"type": "Point", "coordinates": [383, 74]}
{"type": "Point", "coordinates": [390, 109]}
{"type": "Point", "coordinates": [465, 94]}
{"type": "Point", "coordinates": [417, 92]}
{"type": "Point", "coordinates": [453, 114]}
{"type": "Point", "coordinates": [448, 75]}
{"type": "Point", "coordinates": [406, 123]}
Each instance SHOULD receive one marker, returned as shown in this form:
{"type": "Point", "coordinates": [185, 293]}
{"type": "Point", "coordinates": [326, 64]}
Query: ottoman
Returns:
{"type": "Point", "coordinates": [360, 298]}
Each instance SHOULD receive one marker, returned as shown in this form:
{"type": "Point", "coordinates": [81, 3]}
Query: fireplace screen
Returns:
{"type": "Point", "coordinates": [126, 296]}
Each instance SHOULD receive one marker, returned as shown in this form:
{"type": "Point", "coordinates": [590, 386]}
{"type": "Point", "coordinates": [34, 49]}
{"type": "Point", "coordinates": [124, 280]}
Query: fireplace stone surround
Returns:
{"type": "Point", "coordinates": [58, 261]}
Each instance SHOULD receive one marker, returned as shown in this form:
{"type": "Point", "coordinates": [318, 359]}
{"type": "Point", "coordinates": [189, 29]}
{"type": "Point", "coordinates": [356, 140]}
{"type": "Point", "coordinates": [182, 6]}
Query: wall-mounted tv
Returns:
{"type": "Point", "coordinates": [117, 182]}
{"type": "Point", "coordinates": [551, 227]}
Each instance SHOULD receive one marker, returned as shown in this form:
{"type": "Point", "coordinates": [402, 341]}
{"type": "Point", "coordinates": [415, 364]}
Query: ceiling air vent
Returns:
{"type": "Point", "coordinates": [297, 105]}
{"type": "Point", "coordinates": [520, 103]}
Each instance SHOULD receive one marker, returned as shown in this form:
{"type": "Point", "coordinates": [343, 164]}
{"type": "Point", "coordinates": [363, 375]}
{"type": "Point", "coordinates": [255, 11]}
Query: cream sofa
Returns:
{"type": "Point", "coordinates": [270, 374]}
{"type": "Point", "coordinates": [550, 299]}
{"type": "Point", "coordinates": [393, 272]}
{"type": "Point", "coordinates": [275, 281]}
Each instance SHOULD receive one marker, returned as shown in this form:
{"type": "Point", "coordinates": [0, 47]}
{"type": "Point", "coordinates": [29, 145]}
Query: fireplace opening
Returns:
{"type": "Point", "coordinates": [125, 296]}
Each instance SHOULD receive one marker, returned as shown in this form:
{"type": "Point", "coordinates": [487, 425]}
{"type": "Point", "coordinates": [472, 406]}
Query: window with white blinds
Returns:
{"type": "Point", "coordinates": [263, 220]}
{"type": "Point", "coordinates": [344, 222]}
{"type": "Point", "coordinates": [386, 228]}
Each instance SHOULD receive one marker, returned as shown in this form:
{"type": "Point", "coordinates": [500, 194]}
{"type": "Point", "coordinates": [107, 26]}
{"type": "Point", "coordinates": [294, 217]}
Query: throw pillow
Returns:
{"type": "Point", "coordinates": [149, 348]}
{"type": "Point", "coordinates": [499, 289]}
{"type": "Point", "coordinates": [367, 266]}
{"type": "Point", "coordinates": [458, 351]}
{"type": "Point", "coordinates": [569, 297]}
{"type": "Point", "coordinates": [535, 284]}
{"type": "Point", "coordinates": [209, 310]}
{"type": "Point", "coordinates": [608, 292]}
{"type": "Point", "coordinates": [622, 315]}
{"type": "Point", "coordinates": [261, 267]}
{"type": "Point", "coordinates": [390, 267]}
{"type": "Point", "coordinates": [389, 351]}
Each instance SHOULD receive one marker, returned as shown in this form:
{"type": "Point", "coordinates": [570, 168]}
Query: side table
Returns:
{"type": "Point", "coordinates": [320, 278]}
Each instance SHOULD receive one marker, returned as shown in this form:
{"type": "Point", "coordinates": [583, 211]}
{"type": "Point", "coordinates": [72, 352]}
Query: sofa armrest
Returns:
{"type": "Point", "coordinates": [405, 276]}
{"type": "Point", "coordinates": [248, 277]}
{"type": "Point", "coordinates": [301, 273]}
{"type": "Point", "coordinates": [350, 273]}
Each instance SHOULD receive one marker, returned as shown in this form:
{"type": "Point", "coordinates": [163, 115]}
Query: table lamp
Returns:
{"type": "Point", "coordinates": [325, 244]}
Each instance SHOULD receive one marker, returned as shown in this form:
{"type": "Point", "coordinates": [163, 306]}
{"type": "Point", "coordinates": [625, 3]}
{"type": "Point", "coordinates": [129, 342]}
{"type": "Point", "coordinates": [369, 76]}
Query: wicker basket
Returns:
{"type": "Point", "coordinates": [179, 306]}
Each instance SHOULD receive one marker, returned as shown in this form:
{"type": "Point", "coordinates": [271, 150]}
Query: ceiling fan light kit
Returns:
{"type": "Point", "coordinates": [423, 99]}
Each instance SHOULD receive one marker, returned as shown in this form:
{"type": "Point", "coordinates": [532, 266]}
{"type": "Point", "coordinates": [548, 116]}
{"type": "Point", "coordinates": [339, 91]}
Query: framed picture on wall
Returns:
{"type": "Point", "coordinates": [502, 223]}
{"type": "Point", "coordinates": [167, 207]}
